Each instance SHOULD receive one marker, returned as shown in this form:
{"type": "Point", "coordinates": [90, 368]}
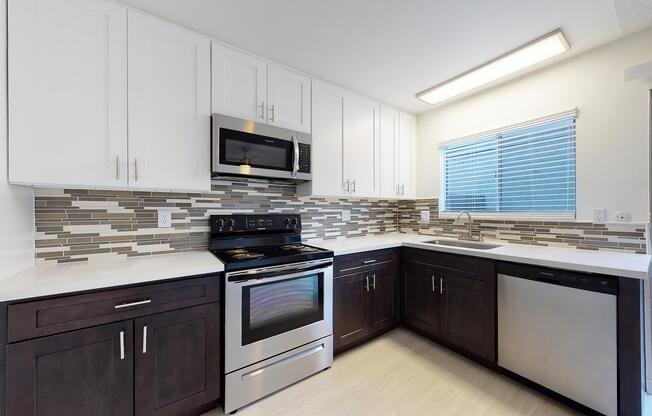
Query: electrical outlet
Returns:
{"type": "Point", "coordinates": [346, 215]}
{"type": "Point", "coordinates": [164, 218]}
{"type": "Point", "coordinates": [599, 215]}
{"type": "Point", "coordinates": [623, 216]}
{"type": "Point", "coordinates": [425, 216]}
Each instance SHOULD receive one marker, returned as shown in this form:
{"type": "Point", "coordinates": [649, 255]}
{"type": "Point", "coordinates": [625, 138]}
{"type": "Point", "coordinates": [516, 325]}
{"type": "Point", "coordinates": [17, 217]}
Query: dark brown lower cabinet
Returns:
{"type": "Point", "coordinates": [467, 315]}
{"type": "Point", "coordinates": [84, 372]}
{"type": "Point", "coordinates": [177, 361]}
{"type": "Point", "coordinates": [421, 299]}
{"type": "Point", "coordinates": [350, 306]}
{"type": "Point", "coordinates": [452, 299]}
{"type": "Point", "coordinates": [384, 300]}
{"type": "Point", "coordinates": [163, 363]}
{"type": "Point", "coordinates": [365, 303]}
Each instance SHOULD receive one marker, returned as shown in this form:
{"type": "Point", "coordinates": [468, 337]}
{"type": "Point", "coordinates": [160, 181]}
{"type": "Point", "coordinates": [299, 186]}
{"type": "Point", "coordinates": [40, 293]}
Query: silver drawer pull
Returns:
{"type": "Point", "coordinates": [370, 261]}
{"type": "Point", "coordinates": [122, 345]}
{"type": "Point", "coordinates": [128, 305]}
{"type": "Point", "coordinates": [284, 361]}
{"type": "Point", "coordinates": [145, 339]}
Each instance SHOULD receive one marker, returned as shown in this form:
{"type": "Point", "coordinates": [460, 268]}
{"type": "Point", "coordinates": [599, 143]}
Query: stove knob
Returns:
{"type": "Point", "coordinates": [286, 221]}
{"type": "Point", "coordinates": [219, 223]}
{"type": "Point", "coordinates": [229, 223]}
{"type": "Point", "coordinates": [294, 221]}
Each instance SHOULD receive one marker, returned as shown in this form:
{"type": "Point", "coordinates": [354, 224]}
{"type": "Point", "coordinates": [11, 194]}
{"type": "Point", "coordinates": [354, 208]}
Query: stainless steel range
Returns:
{"type": "Point", "coordinates": [278, 305]}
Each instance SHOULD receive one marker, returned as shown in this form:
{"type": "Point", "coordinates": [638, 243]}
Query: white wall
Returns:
{"type": "Point", "coordinates": [16, 203]}
{"type": "Point", "coordinates": [612, 126]}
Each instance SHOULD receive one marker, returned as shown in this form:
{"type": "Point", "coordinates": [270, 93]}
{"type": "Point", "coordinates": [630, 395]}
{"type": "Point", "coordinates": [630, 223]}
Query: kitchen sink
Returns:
{"type": "Point", "coordinates": [465, 244]}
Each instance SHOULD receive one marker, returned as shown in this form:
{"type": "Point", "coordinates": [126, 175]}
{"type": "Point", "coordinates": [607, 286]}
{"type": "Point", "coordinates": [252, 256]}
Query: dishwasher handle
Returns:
{"type": "Point", "coordinates": [585, 281]}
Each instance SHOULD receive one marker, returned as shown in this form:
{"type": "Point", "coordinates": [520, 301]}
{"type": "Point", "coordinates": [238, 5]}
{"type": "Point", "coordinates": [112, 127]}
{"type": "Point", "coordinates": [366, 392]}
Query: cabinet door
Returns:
{"type": "Point", "coordinates": [67, 93]}
{"type": "Point", "coordinates": [384, 308]}
{"type": "Point", "coordinates": [239, 84]}
{"type": "Point", "coordinates": [327, 122]}
{"type": "Point", "coordinates": [405, 155]}
{"type": "Point", "coordinates": [86, 372]}
{"type": "Point", "coordinates": [169, 106]}
{"type": "Point", "coordinates": [350, 309]}
{"type": "Point", "coordinates": [177, 360]}
{"type": "Point", "coordinates": [289, 99]}
{"type": "Point", "coordinates": [421, 299]}
{"type": "Point", "coordinates": [468, 315]}
{"type": "Point", "coordinates": [389, 151]}
{"type": "Point", "coordinates": [361, 132]}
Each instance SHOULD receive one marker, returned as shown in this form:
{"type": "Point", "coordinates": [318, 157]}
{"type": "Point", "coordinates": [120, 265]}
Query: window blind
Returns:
{"type": "Point", "coordinates": [524, 169]}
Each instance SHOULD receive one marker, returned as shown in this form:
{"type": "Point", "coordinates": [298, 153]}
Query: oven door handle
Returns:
{"type": "Point", "coordinates": [260, 275]}
{"type": "Point", "coordinates": [295, 164]}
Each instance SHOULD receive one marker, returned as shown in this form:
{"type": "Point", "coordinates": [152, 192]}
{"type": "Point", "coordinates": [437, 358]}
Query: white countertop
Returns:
{"type": "Point", "coordinates": [54, 279]}
{"type": "Point", "coordinates": [603, 262]}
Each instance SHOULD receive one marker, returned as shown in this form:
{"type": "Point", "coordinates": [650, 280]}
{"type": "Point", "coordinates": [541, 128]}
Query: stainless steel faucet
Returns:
{"type": "Point", "coordinates": [469, 235]}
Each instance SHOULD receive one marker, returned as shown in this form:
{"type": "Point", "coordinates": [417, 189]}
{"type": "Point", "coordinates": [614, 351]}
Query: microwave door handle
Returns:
{"type": "Point", "coordinates": [295, 164]}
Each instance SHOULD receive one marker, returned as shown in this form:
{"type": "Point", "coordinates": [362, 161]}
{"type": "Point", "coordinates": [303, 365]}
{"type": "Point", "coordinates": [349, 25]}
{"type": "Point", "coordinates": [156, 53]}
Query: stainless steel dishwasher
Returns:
{"type": "Point", "coordinates": [559, 329]}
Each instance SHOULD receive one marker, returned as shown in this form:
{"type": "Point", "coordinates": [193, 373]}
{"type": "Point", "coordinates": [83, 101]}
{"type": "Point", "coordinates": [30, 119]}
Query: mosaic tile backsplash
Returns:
{"type": "Point", "coordinates": [79, 225]}
{"type": "Point", "coordinates": [574, 234]}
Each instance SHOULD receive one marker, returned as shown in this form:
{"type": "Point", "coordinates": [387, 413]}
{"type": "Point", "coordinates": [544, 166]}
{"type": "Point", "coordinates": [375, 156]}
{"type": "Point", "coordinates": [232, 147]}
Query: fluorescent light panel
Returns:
{"type": "Point", "coordinates": [527, 55]}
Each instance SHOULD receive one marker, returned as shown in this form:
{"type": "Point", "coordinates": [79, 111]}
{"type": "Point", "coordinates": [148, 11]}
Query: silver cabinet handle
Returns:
{"type": "Point", "coordinates": [295, 165]}
{"type": "Point", "coordinates": [373, 281]}
{"type": "Point", "coordinates": [117, 168]}
{"type": "Point", "coordinates": [369, 261]}
{"type": "Point", "coordinates": [433, 282]}
{"type": "Point", "coordinates": [398, 187]}
{"type": "Point", "coordinates": [145, 339]}
{"type": "Point", "coordinates": [346, 185]}
{"type": "Point", "coordinates": [272, 109]}
{"type": "Point", "coordinates": [262, 110]}
{"type": "Point", "coordinates": [122, 345]}
{"type": "Point", "coordinates": [403, 190]}
{"type": "Point", "coordinates": [136, 169]}
{"type": "Point", "coordinates": [127, 305]}
{"type": "Point", "coordinates": [441, 285]}
{"type": "Point", "coordinates": [366, 283]}
{"type": "Point", "coordinates": [353, 186]}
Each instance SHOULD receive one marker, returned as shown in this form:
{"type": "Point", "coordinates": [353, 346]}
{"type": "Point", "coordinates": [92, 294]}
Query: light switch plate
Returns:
{"type": "Point", "coordinates": [346, 215]}
{"type": "Point", "coordinates": [599, 215]}
{"type": "Point", "coordinates": [164, 218]}
{"type": "Point", "coordinates": [425, 216]}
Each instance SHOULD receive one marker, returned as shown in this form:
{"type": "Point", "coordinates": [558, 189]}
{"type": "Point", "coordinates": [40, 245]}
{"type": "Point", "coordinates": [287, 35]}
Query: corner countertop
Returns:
{"type": "Point", "coordinates": [630, 265]}
{"type": "Point", "coordinates": [56, 279]}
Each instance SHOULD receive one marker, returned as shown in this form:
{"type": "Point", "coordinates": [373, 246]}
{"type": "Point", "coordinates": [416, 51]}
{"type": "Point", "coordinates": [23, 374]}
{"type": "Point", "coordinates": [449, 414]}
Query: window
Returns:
{"type": "Point", "coordinates": [528, 169]}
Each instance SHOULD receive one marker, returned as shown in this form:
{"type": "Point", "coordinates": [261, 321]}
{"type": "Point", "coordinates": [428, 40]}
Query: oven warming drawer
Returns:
{"type": "Point", "coordinates": [251, 383]}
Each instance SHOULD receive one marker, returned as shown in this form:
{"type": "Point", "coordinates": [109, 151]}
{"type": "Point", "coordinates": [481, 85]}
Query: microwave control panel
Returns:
{"type": "Point", "coordinates": [304, 158]}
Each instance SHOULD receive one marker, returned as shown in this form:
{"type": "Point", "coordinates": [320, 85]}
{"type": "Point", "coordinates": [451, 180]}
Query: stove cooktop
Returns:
{"type": "Point", "coordinates": [253, 257]}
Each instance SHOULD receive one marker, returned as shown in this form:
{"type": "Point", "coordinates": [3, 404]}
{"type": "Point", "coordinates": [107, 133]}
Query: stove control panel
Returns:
{"type": "Point", "coordinates": [227, 224]}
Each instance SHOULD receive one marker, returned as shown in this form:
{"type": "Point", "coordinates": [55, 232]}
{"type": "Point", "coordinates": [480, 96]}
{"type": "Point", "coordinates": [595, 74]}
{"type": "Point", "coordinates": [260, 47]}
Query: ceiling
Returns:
{"type": "Point", "coordinates": [392, 49]}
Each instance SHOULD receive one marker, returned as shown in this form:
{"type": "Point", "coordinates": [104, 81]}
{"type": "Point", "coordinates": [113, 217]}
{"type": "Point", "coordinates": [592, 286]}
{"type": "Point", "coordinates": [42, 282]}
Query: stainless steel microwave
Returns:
{"type": "Point", "coordinates": [247, 148]}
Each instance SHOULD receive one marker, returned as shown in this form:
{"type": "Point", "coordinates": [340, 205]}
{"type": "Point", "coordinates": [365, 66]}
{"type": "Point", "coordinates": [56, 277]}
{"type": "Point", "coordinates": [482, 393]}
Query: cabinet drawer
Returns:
{"type": "Point", "coordinates": [50, 316]}
{"type": "Point", "coordinates": [469, 266]}
{"type": "Point", "coordinates": [369, 260]}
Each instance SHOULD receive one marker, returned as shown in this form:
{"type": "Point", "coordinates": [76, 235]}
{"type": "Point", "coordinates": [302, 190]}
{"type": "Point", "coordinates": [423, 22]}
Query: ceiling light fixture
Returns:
{"type": "Point", "coordinates": [527, 55]}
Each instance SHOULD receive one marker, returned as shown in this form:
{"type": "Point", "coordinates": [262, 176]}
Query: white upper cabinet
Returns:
{"type": "Point", "coordinates": [169, 106]}
{"type": "Point", "coordinates": [406, 155]}
{"type": "Point", "coordinates": [327, 125]}
{"type": "Point", "coordinates": [67, 93]}
{"type": "Point", "coordinates": [361, 143]}
{"type": "Point", "coordinates": [289, 99]}
{"type": "Point", "coordinates": [389, 142]}
{"type": "Point", "coordinates": [250, 88]}
{"type": "Point", "coordinates": [239, 84]}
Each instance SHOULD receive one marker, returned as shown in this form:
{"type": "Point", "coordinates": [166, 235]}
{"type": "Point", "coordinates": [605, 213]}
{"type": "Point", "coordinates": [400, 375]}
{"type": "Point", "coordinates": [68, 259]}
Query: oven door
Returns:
{"type": "Point", "coordinates": [247, 148]}
{"type": "Point", "coordinates": [271, 310]}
